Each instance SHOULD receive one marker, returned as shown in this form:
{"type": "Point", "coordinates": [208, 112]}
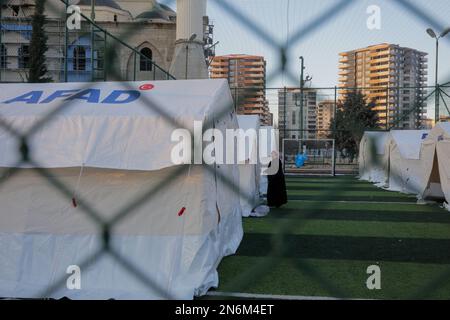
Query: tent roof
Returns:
{"type": "Point", "coordinates": [409, 142]}
{"type": "Point", "coordinates": [101, 133]}
{"type": "Point", "coordinates": [379, 137]}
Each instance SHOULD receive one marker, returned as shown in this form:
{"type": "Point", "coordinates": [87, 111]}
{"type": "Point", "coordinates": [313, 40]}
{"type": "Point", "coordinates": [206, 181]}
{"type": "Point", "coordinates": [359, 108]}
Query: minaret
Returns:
{"type": "Point", "coordinates": [189, 58]}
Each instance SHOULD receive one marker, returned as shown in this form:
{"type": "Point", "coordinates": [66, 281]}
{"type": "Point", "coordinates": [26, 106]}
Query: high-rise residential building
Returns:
{"type": "Point", "coordinates": [325, 114]}
{"type": "Point", "coordinates": [247, 78]}
{"type": "Point", "coordinates": [393, 77]}
{"type": "Point", "coordinates": [295, 122]}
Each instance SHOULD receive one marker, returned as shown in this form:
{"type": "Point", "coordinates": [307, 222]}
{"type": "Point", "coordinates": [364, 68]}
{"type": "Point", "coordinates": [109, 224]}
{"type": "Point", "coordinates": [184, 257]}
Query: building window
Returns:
{"type": "Point", "coordinates": [3, 56]}
{"type": "Point", "coordinates": [115, 18]}
{"type": "Point", "coordinates": [293, 118]}
{"type": "Point", "coordinates": [79, 58]}
{"type": "Point", "coordinates": [24, 56]}
{"type": "Point", "coordinates": [146, 59]}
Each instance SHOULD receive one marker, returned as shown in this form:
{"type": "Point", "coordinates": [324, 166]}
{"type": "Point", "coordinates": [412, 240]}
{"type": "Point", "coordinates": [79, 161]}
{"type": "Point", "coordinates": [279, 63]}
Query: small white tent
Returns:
{"type": "Point", "coordinates": [402, 162]}
{"type": "Point", "coordinates": [111, 147]}
{"type": "Point", "coordinates": [371, 165]}
{"type": "Point", "coordinates": [435, 154]}
{"type": "Point", "coordinates": [265, 152]}
{"type": "Point", "coordinates": [249, 168]}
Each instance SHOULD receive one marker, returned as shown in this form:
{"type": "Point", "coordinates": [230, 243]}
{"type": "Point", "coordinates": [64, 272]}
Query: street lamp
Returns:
{"type": "Point", "coordinates": [433, 35]}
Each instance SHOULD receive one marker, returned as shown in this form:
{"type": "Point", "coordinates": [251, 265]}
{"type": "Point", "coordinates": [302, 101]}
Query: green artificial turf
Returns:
{"type": "Point", "coordinates": [317, 245]}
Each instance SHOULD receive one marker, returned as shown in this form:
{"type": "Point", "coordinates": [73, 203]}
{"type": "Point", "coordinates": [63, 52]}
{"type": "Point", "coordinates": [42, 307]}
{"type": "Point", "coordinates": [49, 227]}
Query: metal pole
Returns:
{"type": "Point", "coordinates": [302, 83]}
{"type": "Point", "coordinates": [187, 57]}
{"type": "Point", "coordinates": [92, 40]}
{"type": "Point", "coordinates": [66, 45]}
{"type": "Point", "coordinates": [436, 83]}
{"type": "Point", "coordinates": [105, 48]}
{"type": "Point", "coordinates": [387, 108]}
{"type": "Point", "coordinates": [134, 65]}
{"type": "Point", "coordinates": [334, 131]}
{"type": "Point", "coordinates": [397, 110]}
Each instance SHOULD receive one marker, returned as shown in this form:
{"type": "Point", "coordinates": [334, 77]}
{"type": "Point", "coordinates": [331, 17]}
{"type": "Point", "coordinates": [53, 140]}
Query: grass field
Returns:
{"type": "Point", "coordinates": [322, 242]}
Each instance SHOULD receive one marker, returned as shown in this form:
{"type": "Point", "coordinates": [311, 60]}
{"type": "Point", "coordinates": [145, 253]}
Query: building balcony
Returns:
{"type": "Point", "coordinates": [343, 59]}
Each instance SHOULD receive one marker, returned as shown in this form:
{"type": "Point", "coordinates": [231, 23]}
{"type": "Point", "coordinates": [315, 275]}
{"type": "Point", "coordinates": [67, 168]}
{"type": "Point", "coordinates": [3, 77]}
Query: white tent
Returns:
{"type": "Point", "coordinates": [402, 162]}
{"type": "Point", "coordinates": [249, 168]}
{"type": "Point", "coordinates": [435, 154]}
{"type": "Point", "coordinates": [266, 153]}
{"type": "Point", "coordinates": [371, 165]}
{"type": "Point", "coordinates": [111, 148]}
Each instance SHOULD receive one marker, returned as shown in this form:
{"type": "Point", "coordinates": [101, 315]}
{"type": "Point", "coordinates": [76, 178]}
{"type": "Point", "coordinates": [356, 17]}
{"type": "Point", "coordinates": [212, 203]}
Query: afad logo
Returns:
{"type": "Point", "coordinates": [87, 95]}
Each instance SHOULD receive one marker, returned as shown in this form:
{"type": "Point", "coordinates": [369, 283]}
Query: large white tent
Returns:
{"type": "Point", "coordinates": [402, 161]}
{"type": "Point", "coordinates": [112, 148]}
{"type": "Point", "coordinates": [435, 153]}
{"type": "Point", "coordinates": [371, 154]}
{"type": "Point", "coordinates": [249, 168]}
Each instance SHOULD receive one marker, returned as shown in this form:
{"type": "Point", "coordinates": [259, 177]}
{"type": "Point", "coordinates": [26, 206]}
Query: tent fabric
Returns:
{"type": "Point", "coordinates": [371, 166]}
{"type": "Point", "coordinates": [402, 162]}
{"type": "Point", "coordinates": [122, 126]}
{"type": "Point", "coordinates": [266, 154]}
{"type": "Point", "coordinates": [435, 153]}
{"type": "Point", "coordinates": [176, 237]}
{"type": "Point", "coordinates": [249, 173]}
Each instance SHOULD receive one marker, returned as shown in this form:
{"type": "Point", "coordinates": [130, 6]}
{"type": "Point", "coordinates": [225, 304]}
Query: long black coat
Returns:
{"type": "Point", "coordinates": [276, 191]}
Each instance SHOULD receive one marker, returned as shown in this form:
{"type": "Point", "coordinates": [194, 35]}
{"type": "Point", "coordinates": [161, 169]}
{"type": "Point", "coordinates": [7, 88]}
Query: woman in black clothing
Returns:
{"type": "Point", "coordinates": [276, 191]}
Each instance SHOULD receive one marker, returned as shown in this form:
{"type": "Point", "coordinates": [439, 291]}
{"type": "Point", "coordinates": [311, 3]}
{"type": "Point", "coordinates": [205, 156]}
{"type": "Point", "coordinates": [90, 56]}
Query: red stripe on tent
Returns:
{"type": "Point", "coordinates": [180, 213]}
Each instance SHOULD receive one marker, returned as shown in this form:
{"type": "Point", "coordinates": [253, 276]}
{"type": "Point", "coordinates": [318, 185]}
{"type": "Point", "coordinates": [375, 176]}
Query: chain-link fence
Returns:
{"type": "Point", "coordinates": [94, 54]}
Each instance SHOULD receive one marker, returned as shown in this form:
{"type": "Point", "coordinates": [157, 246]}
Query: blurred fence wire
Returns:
{"type": "Point", "coordinates": [101, 63]}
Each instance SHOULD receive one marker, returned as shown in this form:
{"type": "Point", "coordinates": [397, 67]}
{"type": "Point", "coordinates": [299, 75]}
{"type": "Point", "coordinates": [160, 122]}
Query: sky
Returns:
{"type": "Point", "coordinates": [344, 28]}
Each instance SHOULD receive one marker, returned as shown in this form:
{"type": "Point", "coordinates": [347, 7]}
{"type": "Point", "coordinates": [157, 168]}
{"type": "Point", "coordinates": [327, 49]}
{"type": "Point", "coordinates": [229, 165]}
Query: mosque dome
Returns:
{"type": "Point", "coordinates": [157, 12]}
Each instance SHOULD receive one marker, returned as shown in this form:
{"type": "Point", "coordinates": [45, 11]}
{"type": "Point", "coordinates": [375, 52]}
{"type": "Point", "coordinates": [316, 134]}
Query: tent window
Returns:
{"type": "Point", "coordinates": [3, 56]}
{"type": "Point", "coordinates": [146, 59]}
{"type": "Point", "coordinates": [79, 58]}
{"type": "Point", "coordinates": [24, 56]}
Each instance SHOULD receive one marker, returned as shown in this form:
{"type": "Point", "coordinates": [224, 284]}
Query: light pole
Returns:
{"type": "Point", "coordinates": [302, 86]}
{"type": "Point", "coordinates": [433, 35]}
{"type": "Point", "coordinates": [302, 83]}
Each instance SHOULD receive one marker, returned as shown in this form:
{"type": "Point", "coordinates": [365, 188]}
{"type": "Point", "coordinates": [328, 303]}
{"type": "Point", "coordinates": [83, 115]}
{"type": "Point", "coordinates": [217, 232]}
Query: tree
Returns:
{"type": "Point", "coordinates": [353, 116]}
{"type": "Point", "coordinates": [38, 46]}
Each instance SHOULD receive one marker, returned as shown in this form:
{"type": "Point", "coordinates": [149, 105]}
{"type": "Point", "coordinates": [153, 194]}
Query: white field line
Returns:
{"type": "Point", "coordinates": [345, 201]}
{"type": "Point", "coordinates": [265, 296]}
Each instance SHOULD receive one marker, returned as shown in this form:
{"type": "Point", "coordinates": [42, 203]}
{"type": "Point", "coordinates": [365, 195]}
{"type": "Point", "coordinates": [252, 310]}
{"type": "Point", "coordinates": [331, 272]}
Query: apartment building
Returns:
{"type": "Point", "coordinates": [393, 77]}
{"type": "Point", "coordinates": [247, 78]}
{"type": "Point", "coordinates": [325, 114]}
{"type": "Point", "coordinates": [293, 121]}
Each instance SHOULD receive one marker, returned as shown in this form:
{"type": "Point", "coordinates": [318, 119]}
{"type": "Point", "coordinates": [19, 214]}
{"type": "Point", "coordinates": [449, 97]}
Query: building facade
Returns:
{"type": "Point", "coordinates": [325, 114]}
{"type": "Point", "coordinates": [295, 122]}
{"type": "Point", "coordinates": [247, 78]}
{"type": "Point", "coordinates": [146, 28]}
{"type": "Point", "coordinates": [393, 77]}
